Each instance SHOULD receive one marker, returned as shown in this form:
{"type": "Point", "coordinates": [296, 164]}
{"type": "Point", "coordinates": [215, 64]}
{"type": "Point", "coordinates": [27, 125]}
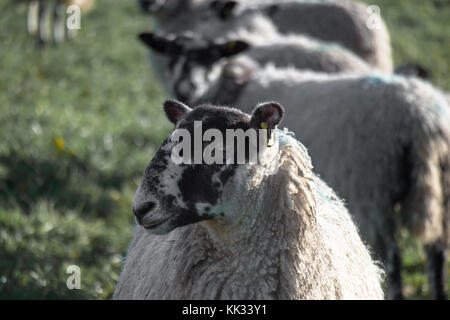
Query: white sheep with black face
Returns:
{"type": "Point", "coordinates": [341, 23]}
{"type": "Point", "coordinates": [263, 230]}
{"type": "Point", "coordinates": [185, 53]}
{"type": "Point", "coordinates": [381, 141]}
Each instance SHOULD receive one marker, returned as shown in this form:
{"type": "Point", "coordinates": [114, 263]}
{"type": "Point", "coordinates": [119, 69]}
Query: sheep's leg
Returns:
{"type": "Point", "coordinates": [44, 22]}
{"type": "Point", "coordinates": [33, 17]}
{"type": "Point", "coordinates": [388, 251]}
{"type": "Point", "coordinates": [436, 269]}
{"type": "Point", "coordinates": [393, 262]}
{"type": "Point", "coordinates": [59, 25]}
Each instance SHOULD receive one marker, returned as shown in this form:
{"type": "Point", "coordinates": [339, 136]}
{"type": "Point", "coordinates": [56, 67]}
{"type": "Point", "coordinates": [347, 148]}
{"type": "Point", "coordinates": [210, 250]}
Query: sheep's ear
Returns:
{"type": "Point", "coordinates": [267, 115]}
{"type": "Point", "coordinates": [175, 110]}
{"type": "Point", "coordinates": [413, 70]}
{"type": "Point", "coordinates": [228, 49]}
{"type": "Point", "coordinates": [160, 44]}
{"type": "Point", "coordinates": [223, 9]}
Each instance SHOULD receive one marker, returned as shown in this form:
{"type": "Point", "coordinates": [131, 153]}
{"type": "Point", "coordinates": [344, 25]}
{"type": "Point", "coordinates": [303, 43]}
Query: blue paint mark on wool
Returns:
{"type": "Point", "coordinates": [285, 137]}
{"type": "Point", "coordinates": [323, 192]}
{"type": "Point", "coordinates": [381, 78]}
{"type": "Point", "coordinates": [331, 47]}
{"type": "Point", "coordinates": [438, 108]}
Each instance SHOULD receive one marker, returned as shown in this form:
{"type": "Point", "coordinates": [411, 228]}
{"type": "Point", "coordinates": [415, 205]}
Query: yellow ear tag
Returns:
{"type": "Point", "coordinates": [231, 45]}
{"type": "Point", "coordinates": [265, 125]}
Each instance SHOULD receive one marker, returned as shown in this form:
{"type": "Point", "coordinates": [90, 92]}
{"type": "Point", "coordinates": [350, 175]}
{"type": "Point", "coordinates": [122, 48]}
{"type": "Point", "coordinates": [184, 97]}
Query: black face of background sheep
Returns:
{"type": "Point", "coordinates": [223, 9]}
{"type": "Point", "coordinates": [413, 70]}
{"type": "Point", "coordinates": [190, 60]}
{"type": "Point", "coordinates": [172, 195]}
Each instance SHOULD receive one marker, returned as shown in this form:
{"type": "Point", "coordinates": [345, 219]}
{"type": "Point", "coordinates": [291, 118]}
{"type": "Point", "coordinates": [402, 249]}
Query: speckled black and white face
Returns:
{"type": "Point", "coordinates": [172, 195]}
{"type": "Point", "coordinates": [192, 61]}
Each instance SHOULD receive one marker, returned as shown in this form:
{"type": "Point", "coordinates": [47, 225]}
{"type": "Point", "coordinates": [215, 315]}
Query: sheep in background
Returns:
{"type": "Point", "coordinates": [418, 71]}
{"type": "Point", "coordinates": [171, 16]}
{"type": "Point", "coordinates": [282, 51]}
{"type": "Point", "coordinates": [395, 153]}
{"type": "Point", "coordinates": [183, 17]}
{"type": "Point", "coordinates": [226, 20]}
{"type": "Point", "coordinates": [348, 23]}
{"type": "Point", "coordinates": [47, 18]}
{"type": "Point", "coordinates": [264, 230]}
{"type": "Point", "coordinates": [381, 142]}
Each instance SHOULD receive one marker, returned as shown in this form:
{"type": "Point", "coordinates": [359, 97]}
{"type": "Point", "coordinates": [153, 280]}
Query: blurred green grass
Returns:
{"type": "Point", "coordinates": [420, 33]}
{"type": "Point", "coordinates": [78, 124]}
{"type": "Point", "coordinates": [80, 121]}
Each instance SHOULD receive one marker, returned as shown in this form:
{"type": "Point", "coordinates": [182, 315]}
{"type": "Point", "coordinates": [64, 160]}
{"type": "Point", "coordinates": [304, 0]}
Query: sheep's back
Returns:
{"type": "Point", "coordinates": [359, 132]}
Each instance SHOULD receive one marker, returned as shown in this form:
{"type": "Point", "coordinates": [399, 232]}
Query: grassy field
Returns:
{"type": "Point", "coordinates": [80, 121]}
{"type": "Point", "coordinates": [420, 33]}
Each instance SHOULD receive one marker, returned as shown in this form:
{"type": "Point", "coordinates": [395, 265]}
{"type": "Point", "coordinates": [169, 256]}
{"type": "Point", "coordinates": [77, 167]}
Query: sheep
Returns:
{"type": "Point", "coordinates": [263, 230]}
{"type": "Point", "coordinates": [411, 172]}
{"type": "Point", "coordinates": [199, 17]}
{"type": "Point", "coordinates": [171, 16]}
{"type": "Point", "coordinates": [380, 141]}
{"type": "Point", "coordinates": [353, 25]}
{"type": "Point", "coordinates": [46, 18]}
{"type": "Point", "coordinates": [296, 51]}
{"type": "Point", "coordinates": [418, 71]}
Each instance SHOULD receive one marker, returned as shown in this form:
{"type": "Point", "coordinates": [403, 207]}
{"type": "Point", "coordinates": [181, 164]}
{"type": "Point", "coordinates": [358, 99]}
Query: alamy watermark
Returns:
{"type": "Point", "coordinates": [237, 145]}
{"type": "Point", "coordinates": [374, 20]}
{"type": "Point", "coordinates": [73, 21]}
{"type": "Point", "coordinates": [74, 280]}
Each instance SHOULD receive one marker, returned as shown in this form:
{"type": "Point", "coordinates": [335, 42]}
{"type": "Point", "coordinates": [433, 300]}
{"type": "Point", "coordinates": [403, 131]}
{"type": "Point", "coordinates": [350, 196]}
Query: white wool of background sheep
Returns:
{"type": "Point", "coordinates": [342, 22]}
{"type": "Point", "coordinates": [378, 140]}
{"type": "Point", "coordinates": [300, 52]}
{"type": "Point", "coordinates": [294, 51]}
{"type": "Point", "coordinates": [349, 29]}
{"type": "Point", "coordinates": [294, 239]}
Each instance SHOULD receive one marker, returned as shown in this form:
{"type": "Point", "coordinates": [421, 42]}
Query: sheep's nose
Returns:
{"type": "Point", "coordinates": [143, 209]}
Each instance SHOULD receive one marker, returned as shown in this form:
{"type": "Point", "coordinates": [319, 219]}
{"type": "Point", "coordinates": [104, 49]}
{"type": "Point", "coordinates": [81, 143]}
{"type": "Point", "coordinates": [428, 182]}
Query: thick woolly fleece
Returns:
{"type": "Point", "coordinates": [294, 239]}
{"type": "Point", "coordinates": [381, 142]}
{"type": "Point", "coordinates": [348, 29]}
{"type": "Point", "coordinates": [347, 23]}
{"type": "Point", "coordinates": [303, 53]}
